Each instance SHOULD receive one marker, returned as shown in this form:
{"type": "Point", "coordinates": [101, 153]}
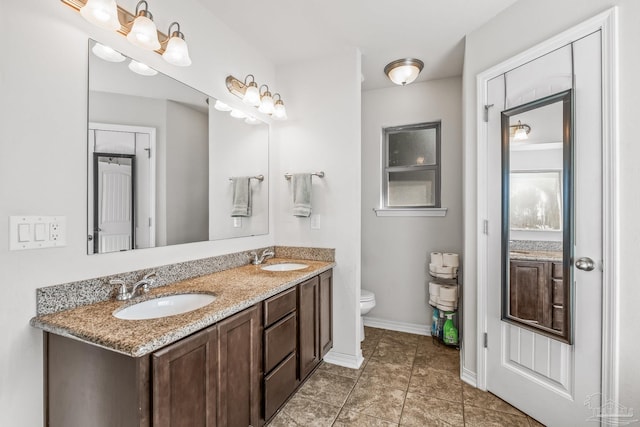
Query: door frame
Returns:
{"type": "Point", "coordinates": [607, 23]}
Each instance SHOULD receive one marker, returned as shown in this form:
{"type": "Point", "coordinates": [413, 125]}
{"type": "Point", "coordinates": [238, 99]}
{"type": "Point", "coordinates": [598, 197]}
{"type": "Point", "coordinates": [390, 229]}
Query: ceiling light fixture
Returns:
{"type": "Point", "coordinates": [143, 32]}
{"type": "Point", "coordinates": [403, 71]}
{"type": "Point", "coordinates": [248, 91]}
{"type": "Point", "coordinates": [103, 13]}
{"type": "Point", "coordinates": [107, 53]}
{"type": "Point", "coordinates": [520, 132]}
{"type": "Point", "coordinates": [142, 69]}
{"type": "Point", "coordinates": [177, 51]}
{"type": "Point", "coordinates": [266, 101]}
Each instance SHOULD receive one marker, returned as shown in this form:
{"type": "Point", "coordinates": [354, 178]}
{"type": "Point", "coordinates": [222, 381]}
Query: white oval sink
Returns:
{"type": "Point", "coordinates": [286, 266]}
{"type": "Point", "coordinates": [169, 305]}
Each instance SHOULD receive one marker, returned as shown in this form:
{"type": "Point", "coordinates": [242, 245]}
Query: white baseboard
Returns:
{"type": "Point", "coordinates": [342, 359]}
{"type": "Point", "coordinates": [469, 377]}
{"type": "Point", "coordinates": [412, 328]}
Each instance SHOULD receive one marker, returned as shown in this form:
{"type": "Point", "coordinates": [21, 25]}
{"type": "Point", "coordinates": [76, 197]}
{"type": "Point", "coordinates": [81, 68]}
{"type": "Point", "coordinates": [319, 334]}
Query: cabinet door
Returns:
{"type": "Point", "coordinates": [240, 369]}
{"type": "Point", "coordinates": [308, 327]}
{"type": "Point", "coordinates": [184, 382]}
{"type": "Point", "coordinates": [326, 314]}
{"type": "Point", "coordinates": [530, 296]}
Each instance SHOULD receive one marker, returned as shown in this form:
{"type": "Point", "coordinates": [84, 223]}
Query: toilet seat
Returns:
{"type": "Point", "coordinates": [366, 296]}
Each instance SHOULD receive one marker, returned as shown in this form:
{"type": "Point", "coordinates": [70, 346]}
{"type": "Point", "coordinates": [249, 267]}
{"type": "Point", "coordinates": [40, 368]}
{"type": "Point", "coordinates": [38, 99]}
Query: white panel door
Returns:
{"type": "Point", "coordinates": [556, 383]}
{"type": "Point", "coordinates": [114, 207]}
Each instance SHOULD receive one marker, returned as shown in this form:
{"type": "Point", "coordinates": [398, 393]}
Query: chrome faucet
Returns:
{"type": "Point", "coordinates": [123, 292]}
{"type": "Point", "coordinates": [257, 260]}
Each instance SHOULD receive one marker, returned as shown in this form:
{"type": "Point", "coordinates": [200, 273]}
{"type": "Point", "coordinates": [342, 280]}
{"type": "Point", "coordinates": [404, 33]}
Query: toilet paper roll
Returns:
{"type": "Point", "coordinates": [450, 260]}
{"type": "Point", "coordinates": [446, 307]}
{"type": "Point", "coordinates": [448, 294]}
{"type": "Point", "coordinates": [434, 289]}
{"type": "Point", "coordinates": [437, 259]}
{"type": "Point", "coordinates": [433, 301]}
{"type": "Point", "coordinates": [440, 269]}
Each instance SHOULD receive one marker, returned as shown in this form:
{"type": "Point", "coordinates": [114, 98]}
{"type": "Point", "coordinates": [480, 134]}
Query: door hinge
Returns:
{"type": "Point", "coordinates": [486, 112]}
{"type": "Point", "coordinates": [150, 223]}
{"type": "Point", "coordinates": [485, 226]}
{"type": "Point", "coordinates": [486, 340]}
{"type": "Point", "coordinates": [148, 150]}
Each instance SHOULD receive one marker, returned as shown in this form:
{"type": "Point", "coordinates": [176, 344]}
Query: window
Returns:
{"type": "Point", "coordinates": [412, 167]}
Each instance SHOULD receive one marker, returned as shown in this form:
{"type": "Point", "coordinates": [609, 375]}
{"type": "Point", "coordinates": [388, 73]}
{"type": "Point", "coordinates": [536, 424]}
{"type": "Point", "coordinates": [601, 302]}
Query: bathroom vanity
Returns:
{"type": "Point", "coordinates": [234, 362]}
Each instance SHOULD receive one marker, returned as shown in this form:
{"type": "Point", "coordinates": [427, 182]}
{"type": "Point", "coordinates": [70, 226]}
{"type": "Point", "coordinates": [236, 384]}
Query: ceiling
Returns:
{"type": "Point", "coordinates": [289, 31]}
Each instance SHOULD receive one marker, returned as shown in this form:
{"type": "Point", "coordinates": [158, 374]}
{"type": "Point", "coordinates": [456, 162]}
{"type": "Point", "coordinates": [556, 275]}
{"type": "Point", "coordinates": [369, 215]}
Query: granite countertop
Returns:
{"type": "Point", "coordinates": [531, 255]}
{"type": "Point", "coordinates": [235, 289]}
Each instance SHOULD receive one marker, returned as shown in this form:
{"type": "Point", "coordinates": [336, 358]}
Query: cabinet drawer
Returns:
{"type": "Point", "coordinates": [279, 341]}
{"type": "Point", "coordinates": [556, 270]}
{"type": "Point", "coordinates": [279, 385]}
{"type": "Point", "coordinates": [276, 307]}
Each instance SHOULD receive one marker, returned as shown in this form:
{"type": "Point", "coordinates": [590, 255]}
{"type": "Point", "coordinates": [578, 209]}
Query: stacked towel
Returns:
{"type": "Point", "coordinates": [301, 183]}
{"type": "Point", "coordinates": [241, 205]}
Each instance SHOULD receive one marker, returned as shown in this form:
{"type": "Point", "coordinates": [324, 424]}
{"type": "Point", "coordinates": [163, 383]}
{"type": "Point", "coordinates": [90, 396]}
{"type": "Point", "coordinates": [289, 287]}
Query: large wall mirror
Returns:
{"type": "Point", "coordinates": [537, 215]}
{"type": "Point", "coordinates": [163, 163]}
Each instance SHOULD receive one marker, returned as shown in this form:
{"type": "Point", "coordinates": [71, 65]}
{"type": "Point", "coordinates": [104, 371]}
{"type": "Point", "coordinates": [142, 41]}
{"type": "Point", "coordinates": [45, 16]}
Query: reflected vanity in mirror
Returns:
{"type": "Point", "coordinates": [537, 215]}
{"type": "Point", "coordinates": [160, 159]}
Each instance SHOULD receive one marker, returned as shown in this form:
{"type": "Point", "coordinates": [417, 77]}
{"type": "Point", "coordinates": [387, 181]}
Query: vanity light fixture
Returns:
{"type": "Point", "coordinates": [103, 13]}
{"type": "Point", "coordinates": [266, 101]}
{"type": "Point", "coordinates": [143, 31]}
{"type": "Point", "coordinates": [403, 71]}
{"type": "Point", "coordinates": [520, 132]}
{"type": "Point", "coordinates": [177, 51]}
{"type": "Point", "coordinates": [279, 112]}
{"type": "Point", "coordinates": [251, 93]}
{"type": "Point", "coordinates": [142, 69]}
{"type": "Point", "coordinates": [107, 53]}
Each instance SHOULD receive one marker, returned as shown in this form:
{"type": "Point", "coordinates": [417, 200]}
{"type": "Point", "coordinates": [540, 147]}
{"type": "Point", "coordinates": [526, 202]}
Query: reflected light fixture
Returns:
{"type": "Point", "coordinates": [142, 69]}
{"type": "Point", "coordinates": [238, 114]}
{"type": "Point", "coordinates": [221, 106]}
{"type": "Point", "coordinates": [143, 32]}
{"type": "Point", "coordinates": [103, 13]}
{"type": "Point", "coordinates": [520, 132]}
{"type": "Point", "coordinates": [107, 53]}
{"type": "Point", "coordinates": [251, 93]}
{"type": "Point", "coordinates": [177, 51]}
{"type": "Point", "coordinates": [266, 101]}
{"type": "Point", "coordinates": [279, 112]}
{"type": "Point", "coordinates": [403, 71]}
{"type": "Point", "coordinates": [251, 120]}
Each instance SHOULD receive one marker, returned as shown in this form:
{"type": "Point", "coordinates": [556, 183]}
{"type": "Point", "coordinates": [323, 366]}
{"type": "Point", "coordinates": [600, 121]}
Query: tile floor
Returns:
{"type": "Point", "coordinates": [405, 380]}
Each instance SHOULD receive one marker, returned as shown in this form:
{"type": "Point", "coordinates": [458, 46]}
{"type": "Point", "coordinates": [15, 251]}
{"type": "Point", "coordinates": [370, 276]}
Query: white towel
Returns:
{"type": "Point", "coordinates": [241, 205]}
{"type": "Point", "coordinates": [301, 183]}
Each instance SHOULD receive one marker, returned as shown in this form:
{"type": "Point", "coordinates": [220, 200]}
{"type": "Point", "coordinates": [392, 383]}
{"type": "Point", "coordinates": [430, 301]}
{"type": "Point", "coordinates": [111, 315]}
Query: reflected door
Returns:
{"type": "Point", "coordinates": [114, 199]}
{"type": "Point", "coordinates": [544, 319]}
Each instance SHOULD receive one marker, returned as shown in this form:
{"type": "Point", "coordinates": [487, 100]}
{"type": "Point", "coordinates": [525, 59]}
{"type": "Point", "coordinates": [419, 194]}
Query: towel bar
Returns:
{"type": "Point", "coordinates": [258, 177]}
{"type": "Point", "coordinates": [318, 174]}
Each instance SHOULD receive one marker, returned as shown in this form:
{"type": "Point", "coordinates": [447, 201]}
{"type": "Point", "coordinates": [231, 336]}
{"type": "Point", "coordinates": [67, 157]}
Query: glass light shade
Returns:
{"type": "Point", "coordinates": [103, 13]}
{"type": "Point", "coordinates": [251, 121]}
{"type": "Point", "coordinates": [221, 106]}
{"type": "Point", "coordinates": [177, 52]}
{"type": "Point", "coordinates": [266, 104]}
{"type": "Point", "coordinates": [404, 74]}
{"type": "Point", "coordinates": [144, 33]}
{"type": "Point", "coordinates": [238, 114]}
{"type": "Point", "coordinates": [142, 69]}
{"type": "Point", "coordinates": [107, 53]}
{"type": "Point", "coordinates": [520, 134]}
{"type": "Point", "coordinates": [279, 112]}
{"type": "Point", "coordinates": [252, 95]}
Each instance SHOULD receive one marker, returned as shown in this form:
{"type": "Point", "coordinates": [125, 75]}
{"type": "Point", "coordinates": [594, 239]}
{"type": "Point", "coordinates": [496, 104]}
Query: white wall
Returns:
{"type": "Point", "coordinates": [43, 138]}
{"type": "Point", "coordinates": [523, 25]}
{"type": "Point", "coordinates": [322, 98]}
{"type": "Point", "coordinates": [395, 249]}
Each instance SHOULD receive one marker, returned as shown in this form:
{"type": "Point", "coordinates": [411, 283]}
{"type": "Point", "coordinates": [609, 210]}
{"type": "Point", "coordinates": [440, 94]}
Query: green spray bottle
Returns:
{"type": "Point", "coordinates": [449, 331]}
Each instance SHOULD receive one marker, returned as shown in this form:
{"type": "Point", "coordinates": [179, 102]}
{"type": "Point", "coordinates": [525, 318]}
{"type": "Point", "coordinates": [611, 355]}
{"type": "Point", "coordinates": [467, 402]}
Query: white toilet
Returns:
{"type": "Point", "coordinates": [367, 302]}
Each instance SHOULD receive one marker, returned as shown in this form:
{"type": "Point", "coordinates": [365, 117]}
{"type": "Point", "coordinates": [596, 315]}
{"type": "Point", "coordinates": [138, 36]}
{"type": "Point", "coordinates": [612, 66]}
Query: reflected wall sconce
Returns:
{"type": "Point", "coordinates": [403, 71]}
{"type": "Point", "coordinates": [250, 94]}
{"type": "Point", "coordinates": [520, 132]}
{"type": "Point", "coordinates": [138, 28]}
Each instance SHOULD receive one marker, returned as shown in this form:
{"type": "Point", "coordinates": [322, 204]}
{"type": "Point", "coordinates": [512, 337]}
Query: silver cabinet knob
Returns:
{"type": "Point", "coordinates": [585, 263]}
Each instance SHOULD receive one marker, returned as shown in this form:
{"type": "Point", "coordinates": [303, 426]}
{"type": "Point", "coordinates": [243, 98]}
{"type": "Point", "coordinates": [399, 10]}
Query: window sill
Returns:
{"type": "Point", "coordinates": [410, 212]}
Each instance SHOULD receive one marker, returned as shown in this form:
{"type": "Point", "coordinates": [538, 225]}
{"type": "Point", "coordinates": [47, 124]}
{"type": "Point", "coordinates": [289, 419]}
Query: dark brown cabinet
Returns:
{"type": "Point", "coordinates": [536, 292]}
{"type": "Point", "coordinates": [308, 326]}
{"type": "Point", "coordinates": [326, 312]}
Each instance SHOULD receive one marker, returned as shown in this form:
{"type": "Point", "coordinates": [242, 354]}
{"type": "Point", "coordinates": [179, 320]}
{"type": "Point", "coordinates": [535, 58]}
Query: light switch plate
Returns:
{"type": "Point", "coordinates": [36, 232]}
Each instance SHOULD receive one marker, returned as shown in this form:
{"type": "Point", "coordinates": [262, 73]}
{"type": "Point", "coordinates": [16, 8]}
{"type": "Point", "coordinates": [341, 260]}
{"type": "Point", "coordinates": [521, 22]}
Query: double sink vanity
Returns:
{"type": "Point", "coordinates": [226, 348]}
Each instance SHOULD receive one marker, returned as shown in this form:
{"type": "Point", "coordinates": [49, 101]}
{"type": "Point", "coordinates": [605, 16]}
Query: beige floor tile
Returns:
{"type": "Point", "coordinates": [356, 419]}
{"type": "Point", "coordinates": [400, 337]}
{"type": "Point", "coordinates": [373, 334]}
{"type": "Point", "coordinates": [303, 412]}
{"type": "Point", "coordinates": [479, 417]}
{"type": "Point", "coordinates": [485, 400]}
{"type": "Point", "coordinates": [328, 388]}
{"type": "Point", "coordinates": [393, 353]}
{"type": "Point", "coordinates": [387, 374]}
{"type": "Point", "coordinates": [341, 370]}
{"type": "Point", "coordinates": [436, 383]}
{"type": "Point", "coordinates": [377, 401]}
{"type": "Point", "coordinates": [368, 347]}
{"type": "Point", "coordinates": [422, 411]}
{"type": "Point", "coordinates": [439, 361]}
